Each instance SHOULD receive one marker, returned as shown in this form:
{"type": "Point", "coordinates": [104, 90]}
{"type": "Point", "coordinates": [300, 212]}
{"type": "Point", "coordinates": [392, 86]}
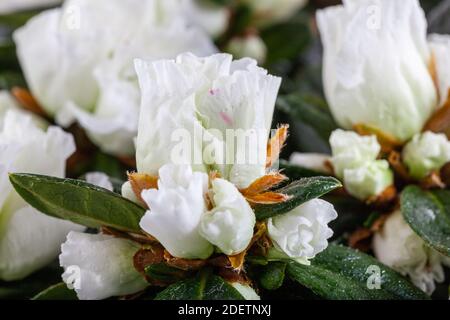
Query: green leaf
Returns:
{"type": "Point", "coordinates": [59, 291]}
{"type": "Point", "coordinates": [205, 286]}
{"type": "Point", "coordinates": [298, 33]}
{"type": "Point", "coordinates": [301, 191]}
{"type": "Point", "coordinates": [428, 214]}
{"type": "Point", "coordinates": [272, 275]}
{"type": "Point", "coordinates": [295, 172]}
{"type": "Point", "coordinates": [163, 272]}
{"type": "Point", "coordinates": [311, 110]}
{"type": "Point", "coordinates": [343, 273]}
{"type": "Point", "coordinates": [78, 201]}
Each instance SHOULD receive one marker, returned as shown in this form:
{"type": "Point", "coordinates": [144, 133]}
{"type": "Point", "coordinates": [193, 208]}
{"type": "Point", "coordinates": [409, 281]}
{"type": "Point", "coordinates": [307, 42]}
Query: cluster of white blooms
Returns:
{"type": "Point", "coordinates": [355, 162]}
{"type": "Point", "coordinates": [81, 69]}
{"type": "Point", "coordinates": [29, 240]}
{"type": "Point", "coordinates": [399, 247]}
{"type": "Point", "coordinates": [393, 91]}
{"type": "Point", "coordinates": [191, 214]}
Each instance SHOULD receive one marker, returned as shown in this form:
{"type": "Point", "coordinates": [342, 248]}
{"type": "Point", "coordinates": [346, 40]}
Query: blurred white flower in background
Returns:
{"type": "Point", "coordinates": [440, 46]}
{"type": "Point", "coordinates": [78, 60]}
{"type": "Point", "coordinates": [376, 65]}
{"type": "Point", "coordinates": [9, 6]}
{"type": "Point", "coordinates": [251, 46]}
{"type": "Point", "coordinates": [29, 240]}
{"type": "Point", "coordinates": [426, 152]}
{"type": "Point", "coordinates": [205, 97]}
{"type": "Point", "coordinates": [397, 246]}
{"type": "Point", "coordinates": [100, 266]}
{"type": "Point", "coordinates": [272, 11]}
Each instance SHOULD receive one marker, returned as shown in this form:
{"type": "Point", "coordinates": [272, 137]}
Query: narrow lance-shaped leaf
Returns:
{"type": "Point", "coordinates": [343, 273]}
{"type": "Point", "coordinates": [300, 191]}
{"type": "Point", "coordinates": [205, 286]}
{"type": "Point", "coordinates": [59, 291]}
{"type": "Point", "coordinates": [78, 201]}
{"type": "Point", "coordinates": [428, 214]}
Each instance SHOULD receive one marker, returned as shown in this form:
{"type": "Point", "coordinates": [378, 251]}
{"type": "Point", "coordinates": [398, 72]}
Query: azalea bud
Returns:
{"type": "Point", "coordinates": [398, 247]}
{"type": "Point", "coordinates": [197, 102]}
{"type": "Point", "coordinates": [29, 240]}
{"type": "Point", "coordinates": [425, 153]}
{"type": "Point", "coordinates": [375, 68]}
{"type": "Point", "coordinates": [100, 266]}
{"type": "Point", "coordinates": [78, 61]}
{"type": "Point", "coordinates": [176, 208]}
{"type": "Point", "coordinates": [440, 47]}
{"type": "Point", "coordinates": [251, 46]}
{"type": "Point", "coordinates": [274, 11]}
{"type": "Point", "coordinates": [350, 150]}
{"type": "Point", "coordinates": [246, 291]}
{"type": "Point", "coordinates": [229, 226]}
{"type": "Point", "coordinates": [368, 180]}
{"type": "Point", "coordinates": [312, 161]}
{"type": "Point", "coordinates": [303, 232]}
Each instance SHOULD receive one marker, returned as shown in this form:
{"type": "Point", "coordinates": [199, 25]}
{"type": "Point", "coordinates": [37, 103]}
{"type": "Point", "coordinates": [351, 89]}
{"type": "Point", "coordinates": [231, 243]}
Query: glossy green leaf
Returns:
{"type": "Point", "coordinates": [58, 291]}
{"type": "Point", "coordinates": [205, 286]}
{"type": "Point", "coordinates": [428, 214]}
{"type": "Point", "coordinates": [301, 191]}
{"type": "Point", "coordinates": [78, 201]}
{"type": "Point", "coordinates": [343, 273]}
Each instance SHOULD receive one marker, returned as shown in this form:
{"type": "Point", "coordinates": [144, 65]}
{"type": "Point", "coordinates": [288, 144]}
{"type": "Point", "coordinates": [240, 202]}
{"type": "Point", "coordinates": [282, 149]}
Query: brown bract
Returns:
{"type": "Point", "coordinates": [140, 182]}
{"type": "Point", "coordinates": [26, 99]}
{"type": "Point", "coordinates": [440, 120]}
{"type": "Point", "coordinates": [276, 143]}
{"type": "Point", "coordinates": [258, 192]}
{"type": "Point", "coordinates": [386, 141]}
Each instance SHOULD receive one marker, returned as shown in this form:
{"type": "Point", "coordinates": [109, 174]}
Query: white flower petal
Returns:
{"type": "Point", "coordinates": [99, 179]}
{"type": "Point", "coordinates": [397, 246]}
{"type": "Point", "coordinates": [303, 232]}
{"type": "Point", "coordinates": [229, 225]}
{"type": "Point", "coordinates": [426, 152]}
{"type": "Point", "coordinates": [375, 68]}
{"type": "Point", "coordinates": [440, 47]}
{"type": "Point", "coordinates": [175, 213]}
{"type": "Point", "coordinates": [312, 161]}
{"type": "Point", "coordinates": [100, 266]}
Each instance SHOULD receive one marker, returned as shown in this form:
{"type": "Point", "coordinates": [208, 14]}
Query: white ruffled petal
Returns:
{"type": "Point", "coordinates": [175, 213]}
{"type": "Point", "coordinates": [100, 266]}
{"type": "Point", "coordinates": [229, 225]}
{"type": "Point", "coordinates": [303, 232]}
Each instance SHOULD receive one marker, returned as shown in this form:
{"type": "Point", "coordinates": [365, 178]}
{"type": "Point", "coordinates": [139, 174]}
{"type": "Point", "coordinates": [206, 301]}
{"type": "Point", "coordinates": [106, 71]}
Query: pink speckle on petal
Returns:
{"type": "Point", "coordinates": [213, 91]}
{"type": "Point", "coordinates": [226, 118]}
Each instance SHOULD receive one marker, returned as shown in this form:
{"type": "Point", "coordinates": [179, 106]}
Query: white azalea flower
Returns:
{"type": "Point", "coordinates": [440, 46]}
{"type": "Point", "coordinates": [99, 179]}
{"type": "Point", "coordinates": [176, 208]}
{"type": "Point", "coordinates": [251, 46]}
{"type": "Point", "coordinates": [100, 266]}
{"type": "Point", "coordinates": [312, 161]}
{"type": "Point", "coordinates": [10, 6]}
{"type": "Point", "coordinates": [368, 180]}
{"type": "Point", "coordinates": [206, 98]}
{"type": "Point", "coordinates": [375, 67]}
{"type": "Point", "coordinates": [350, 150]}
{"type": "Point", "coordinates": [246, 291]}
{"type": "Point", "coordinates": [397, 246]}
{"type": "Point", "coordinates": [273, 11]}
{"type": "Point", "coordinates": [229, 226]}
{"type": "Point", "coordinates": [28, 239]}
{"type": "Point", "coordinates": [303, 232]}
{"type": "Point", "coordinates": [426, 152]}
{"type": "Point", "coordinates": [78, 61]}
